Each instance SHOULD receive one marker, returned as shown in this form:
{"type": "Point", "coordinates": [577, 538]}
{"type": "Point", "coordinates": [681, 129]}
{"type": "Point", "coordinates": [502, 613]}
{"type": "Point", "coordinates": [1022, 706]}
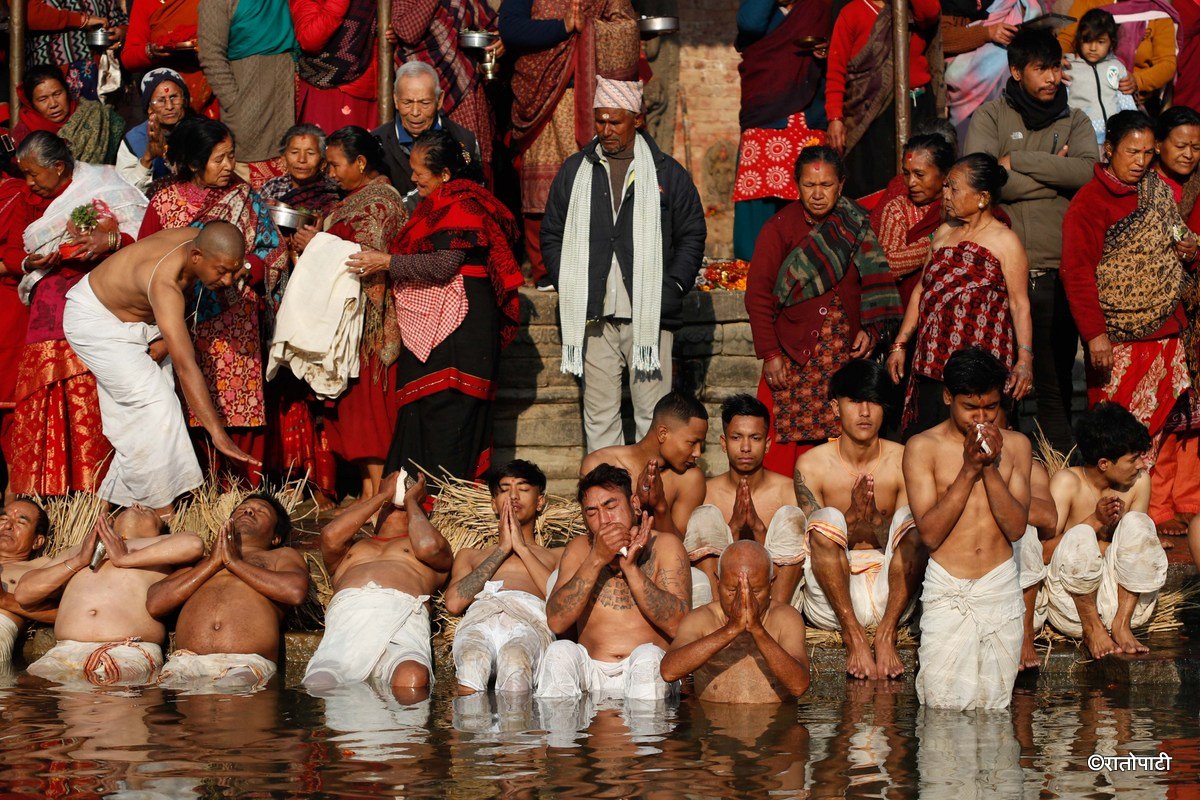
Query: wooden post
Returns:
{"type": "Point", "coordinates": [387, 107]}
{"type": "Point", "coordinates": [16, 58]}
{"type": "Point", "coordinates": [900, 59]}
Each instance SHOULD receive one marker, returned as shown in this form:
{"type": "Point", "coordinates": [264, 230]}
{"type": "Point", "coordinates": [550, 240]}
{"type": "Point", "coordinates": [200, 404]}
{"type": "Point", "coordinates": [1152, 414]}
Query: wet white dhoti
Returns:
{"type": "Point", "coordinates": [708, 534]}
{"type": "Point", "coordinates": [153, 461]}
{"type": "Point", "coordinates": [568, 671]}
{"type": "Point", "coordinates": [8, 639]}
{"type": "Point", "coordinates": [1135, 559]}
{"type": "Point", "coordinates": [128, 663]}
{"type": "Point", "coordinates": [504, 633]}
{"type": "Point", "coordinates": [971, 634]}
{"type": "Point", "coordinates": [215, 672]}
{"type": "Point", "coordinates": [369, 631]}
{"type": "Point", "coordinates": [371, 725]}
{"type": "Point", "coordinates": [868, 572]}
{"type": "Point", "coordinates": [1027, 553]}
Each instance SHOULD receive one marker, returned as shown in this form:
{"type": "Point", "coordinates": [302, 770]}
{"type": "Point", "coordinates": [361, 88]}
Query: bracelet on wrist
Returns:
{"type": "Point", "coordinates": [1026, 348]}
{"type": "Point", "coordinates": [67, 564]}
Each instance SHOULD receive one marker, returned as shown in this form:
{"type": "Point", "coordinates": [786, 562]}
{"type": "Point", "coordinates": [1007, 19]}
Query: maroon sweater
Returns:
{"type": "Point", "coordinates": [1097, 206]}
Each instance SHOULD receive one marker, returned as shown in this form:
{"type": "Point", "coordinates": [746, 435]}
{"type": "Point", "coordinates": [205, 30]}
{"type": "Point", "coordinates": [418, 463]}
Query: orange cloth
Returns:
{"type": "Point", "coordinates": [1175, 478]}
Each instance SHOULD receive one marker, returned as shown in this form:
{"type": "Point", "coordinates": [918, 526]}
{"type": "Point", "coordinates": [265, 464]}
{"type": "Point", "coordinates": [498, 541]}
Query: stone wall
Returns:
{"type": "Point", "coordinates": [538, 414]}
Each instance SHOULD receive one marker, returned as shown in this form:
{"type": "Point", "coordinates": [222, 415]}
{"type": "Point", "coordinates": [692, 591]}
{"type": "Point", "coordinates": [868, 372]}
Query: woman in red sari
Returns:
{"type": "Point", "coordinates": [359, 423]}
{"type": "Point", "coordinates": [455, 285]}
{"type": "Point", "coordinates": [93, 130]}
{"type": "Point", "coordinates": [227, 327]}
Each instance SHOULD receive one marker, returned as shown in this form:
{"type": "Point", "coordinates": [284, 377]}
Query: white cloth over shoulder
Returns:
{"type": "Point", "coordinates": [568, 670]}
{"type": "Point", "coordinates": [153, 461]}
{"type": "Point", "coordinates": [1135, 559]}
{"type": "Point", "coordinates": [971, 634]}
{"type": "Point", "coordinates": [369, 631]}
{"type": "Point", "coordinates": [504, 632]}
{"type": "Point", "coordinates": [1027, 553]}
{"type": "Point", "coordinates": [128, 663]}
{"type": "Point", "coordinates": [215, 672]}
{"type": "Point", "coordinates": [320, 320]}
{"type": "Point", "coordinates": [708, 534]}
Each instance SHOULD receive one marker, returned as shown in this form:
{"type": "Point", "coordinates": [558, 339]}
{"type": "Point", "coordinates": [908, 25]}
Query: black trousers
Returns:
{"type": "Point", "coordinates": [1055, 344]}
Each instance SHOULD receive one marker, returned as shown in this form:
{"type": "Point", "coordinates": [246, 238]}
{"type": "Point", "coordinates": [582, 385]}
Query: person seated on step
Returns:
{"type": "Point", "coordinates": [745, 646]}
{"type": "Point", "coordinates": [502, 588]}
{"type": "Point", "coordinates": [865, 560]}
{"type": "Point", "coordinates": [104, 633]}
{"type": "Point", "coordinates": [668, 484]}
{"type": "Point", "coordinates": [624, 588]}
{"type": "Point", "coordinates": [748, 502]}
{"type": "Point", "coordinates": [377, 624]}
{"type": "Point", "coordinates": [1030, 554]}
{"type": "Point", "coordinates": [24, 526]}
{"type": "Point", "coordinates": [231, 605]}
{"type": "Point", "coordinates": [1106, 566]}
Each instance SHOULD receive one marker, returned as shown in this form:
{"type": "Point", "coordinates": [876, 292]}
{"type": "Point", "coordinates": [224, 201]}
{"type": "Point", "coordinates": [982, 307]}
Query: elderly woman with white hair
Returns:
{"type": "Point", "coordinates": [418, 96]}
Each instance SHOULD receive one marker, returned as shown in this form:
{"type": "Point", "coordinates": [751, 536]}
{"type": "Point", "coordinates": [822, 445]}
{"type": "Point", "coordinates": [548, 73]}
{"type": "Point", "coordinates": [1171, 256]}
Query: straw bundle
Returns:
{"type": "Point", "coordinates": [1166, 616]}
{"type": "Point", "coordinates": [1044, 451]}
{"type": "Point", "coordinates": [463, 513]}
{"type": "Point", "coordinates": [815, 637]}
{"type": "Point", "coordinates": [71, 519]}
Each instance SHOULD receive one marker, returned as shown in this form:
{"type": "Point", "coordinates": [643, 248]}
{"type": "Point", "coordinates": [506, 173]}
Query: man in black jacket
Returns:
{"type": "Point", "coordinates": [418, 97]}
{"type": "Point", "coordinates": [623, 252]}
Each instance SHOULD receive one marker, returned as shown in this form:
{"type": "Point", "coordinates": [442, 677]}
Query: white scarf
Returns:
{"type": "Point", "coordinates": [647, 264]}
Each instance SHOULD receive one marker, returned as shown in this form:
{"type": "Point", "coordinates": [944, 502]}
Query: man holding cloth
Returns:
{"type": "Point", "coordinates": [621, 269]}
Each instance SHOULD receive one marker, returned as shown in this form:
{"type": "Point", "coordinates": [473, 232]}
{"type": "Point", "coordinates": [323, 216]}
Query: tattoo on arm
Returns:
{"type": "Point", "coordinates": [805, 499]}
{"type": "Point", "coordinates": [658, 602]}
{"type": "Point", "coordinates": [473, 583]}
{"type": "Point", "coordinates": [569, 598]}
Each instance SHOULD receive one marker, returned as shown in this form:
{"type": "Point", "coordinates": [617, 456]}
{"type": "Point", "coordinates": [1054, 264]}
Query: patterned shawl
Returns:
{"type": "Point", "coordinates": [348, 53]}
{"type": "Point", "coordinates": [462, 215]}
{"type": "Point", "coordinates": [869, 83]}
{"type": "Point", "coordinates": [373, 216]}
{"type": "Point", "coordinates": [436, 43]}
{"type": "Point", "coordinates": [93, 133]}
{"type": "Point", "coordinates": [818, 265]}
{"type": "Point", "coordinates": [608, 45]}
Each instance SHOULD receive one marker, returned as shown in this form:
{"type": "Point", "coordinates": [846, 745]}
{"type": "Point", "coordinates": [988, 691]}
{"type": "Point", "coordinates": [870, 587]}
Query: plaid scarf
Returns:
{"type": "Point", "coordinates": [435, 41]}
{"type": "Point", "coordinates": [820, 263]}
{"type": "Point", "coordinates": [348, 53]}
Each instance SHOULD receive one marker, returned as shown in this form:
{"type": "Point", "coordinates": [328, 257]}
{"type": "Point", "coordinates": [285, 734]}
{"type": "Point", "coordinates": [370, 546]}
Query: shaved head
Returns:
{"type": "Point", "coordinates": [221, 239]}
{"type": "Point", "coordinates": [749, 556]}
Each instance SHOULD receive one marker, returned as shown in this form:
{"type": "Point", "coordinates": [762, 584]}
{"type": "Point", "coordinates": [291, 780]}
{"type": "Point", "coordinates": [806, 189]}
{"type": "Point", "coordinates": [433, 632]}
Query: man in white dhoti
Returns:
{"type": "Point", "coordinates": [1029, 553]}
{"type": "Point", "coordinates": [231, 605]}
{"type": "Point", "coordinates": [24, 526]}
{"type": "Point", "coordinates": [377, 625]}
{"type": "Point", "coordinates": [865, 559]}
{"type": "Point", "coordinates": [125, 321]}
{"type": "Point", "coordinates": [105, 634]}
{"type": "Point", "coordinates": [502, 589]}
{"type": "Point", "coordinates": [1106, 565]}
{"type": "Point", "coordinates": [624, 588]}
{"type": "Point", "coordinates": [737, 502]}
{"type": "Point", "coordinates": [968, 486]}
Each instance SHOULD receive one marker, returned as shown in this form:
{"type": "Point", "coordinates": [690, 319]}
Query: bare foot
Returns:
{"type": "Point", "coordinates": [1029, 656]}
{"type": "Point", "coordinates": [859, 663]}
{"type": "Point", "coordinates": [324, 502]}
{"type": "Point", "coordinates": [1173, 527]}
{"type": "Point", "coordinates": [1098, 642]}
{"type": "Point", "coordinates": [1127, 642]}
{"type": "Point", "coordinates": [887, 660]}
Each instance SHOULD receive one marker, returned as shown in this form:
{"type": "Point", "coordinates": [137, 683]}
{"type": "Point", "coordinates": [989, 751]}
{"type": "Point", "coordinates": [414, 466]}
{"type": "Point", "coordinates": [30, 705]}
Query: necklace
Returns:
{"type": "Point", "coordinates": [851, 472]}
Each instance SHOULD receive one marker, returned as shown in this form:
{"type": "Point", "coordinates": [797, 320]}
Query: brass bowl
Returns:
{"type": "Point", "coordinates": [657, 26]}
{"type": "Point", "coordinates": [287, 217]}
{"type": "Point", "coordinates": [476, 40]}
{"type": "Point", "coordinates": [810, 43]}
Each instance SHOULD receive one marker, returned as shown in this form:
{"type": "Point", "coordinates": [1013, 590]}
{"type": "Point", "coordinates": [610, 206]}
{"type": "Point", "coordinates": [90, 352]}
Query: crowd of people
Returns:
{"type": "Point", "coordinates": [326, 294]}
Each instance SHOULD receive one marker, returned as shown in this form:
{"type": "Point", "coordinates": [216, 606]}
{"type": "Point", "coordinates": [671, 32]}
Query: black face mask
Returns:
{"type": "Point", "coordinates": [1035, 113]}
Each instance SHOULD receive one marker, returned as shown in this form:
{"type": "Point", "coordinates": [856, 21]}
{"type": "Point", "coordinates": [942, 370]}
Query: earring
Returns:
{"type": "Point", "coordinates": [982, 205]}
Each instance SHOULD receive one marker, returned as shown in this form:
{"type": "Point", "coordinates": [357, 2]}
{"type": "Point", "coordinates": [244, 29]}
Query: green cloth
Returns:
{"type": "Point", "coordinates": [261, 28]}
{"type": "Point", "coordinates": [93, 133]}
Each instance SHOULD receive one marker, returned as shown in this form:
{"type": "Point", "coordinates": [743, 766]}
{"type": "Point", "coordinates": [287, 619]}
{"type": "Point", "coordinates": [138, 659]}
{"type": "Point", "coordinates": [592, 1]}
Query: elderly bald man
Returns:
{"type": "Point", "coordinates": [743, 647]}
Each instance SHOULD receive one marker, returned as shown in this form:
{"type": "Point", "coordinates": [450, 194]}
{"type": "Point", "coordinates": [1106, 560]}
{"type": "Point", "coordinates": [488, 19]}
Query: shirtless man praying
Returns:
{"type": "Point", "coordinates": [865, 561]}
{"type": "Point", "coordinates": [748, 502]}
{"type": "Point", "coordinates": [1106, 563]}
{"type": "Point", "coordinates": [231, 605]}
{"type": "Point", "coordinates": [669, 484]}
{"type": "Point", "coordinates": [968, 483]}
{"type": "Point", "coordinates": [502, 589]}
{"type": "Point", "coordinates": [114, 319]}
{"type": "Point", "coordinates": [377, 625]}
{"type": "Point", "coordinates": [105, 634]}
{"type": "Point", "coordinates": [24, 526]}
{"type": "Point", "coordinates": [744, 647]}
{"type": "Point", "coordinates": [624, 608]}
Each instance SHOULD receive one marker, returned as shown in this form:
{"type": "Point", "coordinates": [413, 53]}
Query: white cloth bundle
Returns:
{"type": "Point", "coordinates": [215, 672]}
{"type": "Point", "coordinates": [320, 320]}
{"type": "Point", "coordinates": [128, 663]}
{"type": "Point", "coordinates": [502, 627]}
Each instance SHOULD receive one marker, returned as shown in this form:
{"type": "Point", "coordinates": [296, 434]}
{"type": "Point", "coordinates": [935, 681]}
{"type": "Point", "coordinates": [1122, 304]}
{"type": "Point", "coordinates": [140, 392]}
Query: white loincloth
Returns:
{"type": "Point", "coordinates": [708, 534]}
{"type": "Point", "coordinates": [320, 320]}
{"type": "Point", "coordinates": [1135, 559]}
{"type": "Point", "coordinates": [128, 663]}
{"type": "Point", "coordinates": [1027, 553]}
{"type": "Point", "coordinates": [154, 461]}
{"type": "Point", "coordinates": [868, 572]}
{"type": "Point", "coordinates": [215, 672]}
{"type": "Point", "coordinates": [567, 670]}
{"type": "Point", "coordinates": [9, 631]}
{"type": "Point", "coordinates": [504, 631]}
{"type": "Point", "coordinates": [372, 725]}
{"type": "Point", "coordinates": [369, 631]}
{"type": "Point", "coordinates": [971, 634]}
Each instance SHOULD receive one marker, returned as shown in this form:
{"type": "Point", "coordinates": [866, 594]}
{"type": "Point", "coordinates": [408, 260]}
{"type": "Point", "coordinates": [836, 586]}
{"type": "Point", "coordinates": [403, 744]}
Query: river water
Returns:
{"type": "Point", "coordinates": [860, 740]}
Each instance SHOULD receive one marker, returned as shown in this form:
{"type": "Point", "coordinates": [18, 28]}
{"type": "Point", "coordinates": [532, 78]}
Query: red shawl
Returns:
{"type": "Point", "coordinates": [462, 215]}
{"type": "Point", "coordinates": [29, 119]}
{"type": "Point", "coordinates": [778, 78]}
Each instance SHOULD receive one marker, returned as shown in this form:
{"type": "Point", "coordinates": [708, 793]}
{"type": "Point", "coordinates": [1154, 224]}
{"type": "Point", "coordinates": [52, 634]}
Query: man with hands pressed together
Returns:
{"type": "Point", "coordinates": [24, 526]}
{"type": "Point", "coordinates": [105, 634]}
{"type": "Point", "coordinates": [625, 608]}
{"type": "Point", "coordinates": [744, 647]}
{"type": "Point", "coordinates": [231, 605]}
{"type": "Point", "coordinates": [502, 589]}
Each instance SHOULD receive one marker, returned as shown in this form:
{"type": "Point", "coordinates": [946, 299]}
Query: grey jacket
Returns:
{"type": "Point", "coordinates": [1041, 182]}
